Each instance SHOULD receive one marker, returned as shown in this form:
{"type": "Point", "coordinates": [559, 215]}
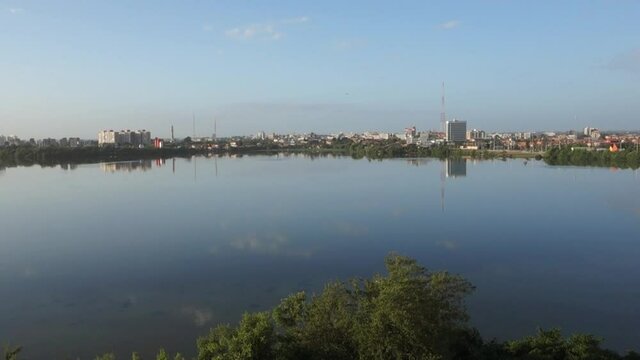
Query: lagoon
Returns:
{"type": "Point", "coordinates": [135, 256]}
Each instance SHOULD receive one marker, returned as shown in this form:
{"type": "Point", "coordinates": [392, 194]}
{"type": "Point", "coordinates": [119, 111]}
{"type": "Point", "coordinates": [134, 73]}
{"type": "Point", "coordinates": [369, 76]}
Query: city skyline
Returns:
{"type": "Point", "coordinates": [74, 68]}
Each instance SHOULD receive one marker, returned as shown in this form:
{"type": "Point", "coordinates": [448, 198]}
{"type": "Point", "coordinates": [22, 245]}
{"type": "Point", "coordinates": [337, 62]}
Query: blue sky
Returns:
{"type": "Point", "coordinates": [71, 68]}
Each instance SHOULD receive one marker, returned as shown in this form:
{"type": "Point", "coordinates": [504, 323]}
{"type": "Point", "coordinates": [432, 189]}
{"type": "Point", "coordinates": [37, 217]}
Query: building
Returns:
{"type": "Point", "coordinates": [456, 131]}
{"type": "Point", "coordinates": [136, 138]}
{"type": "Point", "coordinates": [47, 142]}
{"type": "Point", "coordinates": [9, 140]}
{"type": "Point", "coordinates": [476, 134]}
{"type": "Point", "coordinates": [74, 142]}
{"type": "Point", "coordinates": [592, 133]}
{"type": "Point", "coordinates": [106, 137]}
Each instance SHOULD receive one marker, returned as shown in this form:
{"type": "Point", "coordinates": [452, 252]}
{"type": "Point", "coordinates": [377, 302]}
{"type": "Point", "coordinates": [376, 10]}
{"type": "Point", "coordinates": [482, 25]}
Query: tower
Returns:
{"type": "Point", "coordinates": [443, 116]}
{"type": "Point", "coordinates": [173, 139]}
{"type": "Point", "coordinates": [194, 125]}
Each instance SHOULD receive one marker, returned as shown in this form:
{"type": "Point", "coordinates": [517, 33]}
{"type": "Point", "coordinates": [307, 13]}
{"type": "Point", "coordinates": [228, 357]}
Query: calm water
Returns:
{"type": "Point", "coordinates": [135, 256]}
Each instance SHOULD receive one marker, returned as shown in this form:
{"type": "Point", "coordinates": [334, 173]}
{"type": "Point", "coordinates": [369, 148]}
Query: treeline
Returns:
{"type": "Point", "coordinates": [396, 149]}
{"type": "Point", "coordinates": [25, 155]}
{"type": "Point", "coordinates": [568, 155]}
{"type": "Point", "coordinates": [409, 313]}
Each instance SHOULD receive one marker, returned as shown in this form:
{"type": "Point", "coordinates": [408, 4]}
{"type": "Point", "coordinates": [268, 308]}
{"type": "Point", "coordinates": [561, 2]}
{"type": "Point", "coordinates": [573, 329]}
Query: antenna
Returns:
{"type": "Point", "coordinates": [194, 125]}
{"type": "Point", "coordinates": [215, 129]}
{"type": "Point", "coordinates": [443, 116]}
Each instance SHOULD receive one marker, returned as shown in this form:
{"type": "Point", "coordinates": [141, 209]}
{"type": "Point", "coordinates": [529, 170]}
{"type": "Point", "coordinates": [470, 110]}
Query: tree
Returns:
{"type": "Point", "coordinates": [254, 338]}
{"type": "Point", "coordinates": [109, 356]}
{"type": "Point", "coordinates": [551, 345]}
{"type": "Point", "coordinates": [410, 313]}
{"type": "Point", "coordinates": [162, 355]}
{"type": "Point", "coordinates": [11, 353]}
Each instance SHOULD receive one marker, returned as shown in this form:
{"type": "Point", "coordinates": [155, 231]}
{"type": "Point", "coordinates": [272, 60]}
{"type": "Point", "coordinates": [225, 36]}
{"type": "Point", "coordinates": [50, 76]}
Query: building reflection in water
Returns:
{"type": "Point", "coordinates": [418, 162]}
{"type": "Point", "coordinates": [451, 169]}
{"type": "Point", "coordinates": [68, 166]}
{"type": "Point", "coordinates": [138, 165]}
{"type": "Point", "coordinates": [456, 167]}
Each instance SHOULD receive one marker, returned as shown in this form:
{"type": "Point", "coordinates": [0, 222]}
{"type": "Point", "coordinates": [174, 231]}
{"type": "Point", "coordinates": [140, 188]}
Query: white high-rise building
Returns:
{"type": "Point", "coordinates": [124, 137]}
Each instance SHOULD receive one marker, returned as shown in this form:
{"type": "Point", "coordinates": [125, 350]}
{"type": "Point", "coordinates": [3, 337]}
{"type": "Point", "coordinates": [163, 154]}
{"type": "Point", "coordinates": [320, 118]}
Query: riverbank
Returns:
{"type": "Point", "coordinates": [12, 156]}
{"type": "Point", "coordinates": [51, 156]}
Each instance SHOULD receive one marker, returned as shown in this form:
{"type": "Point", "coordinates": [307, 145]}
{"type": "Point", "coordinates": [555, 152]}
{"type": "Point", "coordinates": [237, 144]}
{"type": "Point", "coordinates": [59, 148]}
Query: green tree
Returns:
{"type": "Point", "coordinates": [109, 356]}
{"type": "Point", "coordinates": [11, 353]}
{"type": "Point", "coordinates": [551, 345]}
{"type": "Point", "coordinates": [162, 355]}
{"type": "Point", "coordinates": [254, 338]}
{"type": "Point", "coordinates": [410, 313]}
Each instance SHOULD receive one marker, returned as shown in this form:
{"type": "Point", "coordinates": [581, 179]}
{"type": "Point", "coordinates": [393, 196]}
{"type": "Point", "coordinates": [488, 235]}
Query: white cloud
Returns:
{"type": "Point", "coordinates": [296, 20]}
{"type": "Point", "coordinates": [16, 11]}
{"type": "Point", "coordinates": [451, 24]}
{"type": "Point", "coordinates": [255, 31]}
{"type": "Point", "coordinates": [268, 31]}
{"type": "Point", "coordinates": [207, 28]}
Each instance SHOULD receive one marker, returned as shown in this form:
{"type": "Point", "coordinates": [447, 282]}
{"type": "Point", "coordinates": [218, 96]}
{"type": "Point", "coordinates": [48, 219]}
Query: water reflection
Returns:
{"type": "Point", "coordinates": [190, 255]}
{"type": "Point", "coordinates": [456, 167]}
{"type": "Point", "coordinates": [128, 166]}
{"type": "Point", "coordinates": [451, 169]}
{"type": "Point", "coordinates": [68, 166]}
{"type": "Point", "coordinates": [419, 161]}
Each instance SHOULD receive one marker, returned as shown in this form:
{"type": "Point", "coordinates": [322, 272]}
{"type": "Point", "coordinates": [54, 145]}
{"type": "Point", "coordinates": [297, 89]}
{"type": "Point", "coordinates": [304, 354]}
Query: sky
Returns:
{"type": "Point", "coordinates": [72, 68]}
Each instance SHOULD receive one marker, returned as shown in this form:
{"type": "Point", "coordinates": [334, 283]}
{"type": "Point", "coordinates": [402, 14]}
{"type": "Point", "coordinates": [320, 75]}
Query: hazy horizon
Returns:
{"type": "Point", "coordinates": [74, 68]}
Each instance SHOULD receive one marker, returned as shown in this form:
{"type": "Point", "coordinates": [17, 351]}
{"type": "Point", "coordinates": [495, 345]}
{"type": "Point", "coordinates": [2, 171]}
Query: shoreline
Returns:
{"type": "Point", "coordinates": [47, 157]}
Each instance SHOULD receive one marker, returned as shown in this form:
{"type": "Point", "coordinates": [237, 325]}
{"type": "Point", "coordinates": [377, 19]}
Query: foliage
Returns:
{"type": "Point", "coordinates": [550, 344]}
{"type": "Point", "coordinates": [50, 156]}
{"type": "Point", "coordinates": [408, 313]}
{"type": "Point", "coordinates": [109, 356]}
{"type": "Point", "coordinates": [568, 155]}
{"type": "Point", "coordinates": [11, 353]}
{"type": "Point", "coordinates": [254, 338]}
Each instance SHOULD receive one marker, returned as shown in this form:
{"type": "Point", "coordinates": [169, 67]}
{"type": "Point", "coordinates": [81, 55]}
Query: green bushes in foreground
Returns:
{"type": "Point", "coordinates": [409, 313]}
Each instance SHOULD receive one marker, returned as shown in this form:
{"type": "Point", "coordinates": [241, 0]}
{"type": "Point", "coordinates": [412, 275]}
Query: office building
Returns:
{"type": "Point", "coordinates": [456, 131]}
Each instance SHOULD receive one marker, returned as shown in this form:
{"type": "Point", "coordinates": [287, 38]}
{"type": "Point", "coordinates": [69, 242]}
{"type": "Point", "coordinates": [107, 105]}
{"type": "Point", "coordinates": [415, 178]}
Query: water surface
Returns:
{"type": "Point", "coordinates": [142, 255]}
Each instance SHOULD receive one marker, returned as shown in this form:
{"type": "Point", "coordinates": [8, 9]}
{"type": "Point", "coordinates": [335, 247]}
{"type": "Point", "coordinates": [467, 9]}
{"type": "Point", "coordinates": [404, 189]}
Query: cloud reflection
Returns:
{"type": "Point", "coordinates": [199, 316]}
{"type": "Point", "coordinates": [350, 229]}
{"type": "Point", "coordinates": [448, 245]}
{"type": "Point", "coordinates": [29, 272]}
{"type": "Point", "coordinates": [270, 243]}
